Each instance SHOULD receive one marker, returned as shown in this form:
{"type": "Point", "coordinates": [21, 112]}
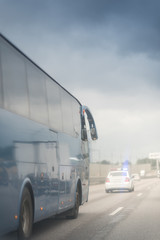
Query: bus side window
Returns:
{"type": "Point", "coordinates": [14, 87]}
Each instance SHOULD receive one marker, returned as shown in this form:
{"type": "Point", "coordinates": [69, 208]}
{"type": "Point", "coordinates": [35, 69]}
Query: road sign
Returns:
{"type": "Point", "coordinates": [155, 155]}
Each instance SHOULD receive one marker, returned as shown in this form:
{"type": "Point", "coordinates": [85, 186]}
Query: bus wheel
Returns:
{"type": "Point", "coordinates": [73, 213]}
{"type": "Point", "coordinates": [26, 216]}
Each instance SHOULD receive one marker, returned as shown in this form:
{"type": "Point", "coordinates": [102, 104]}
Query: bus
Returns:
{"type": "Point", "coordinates": [45, 134]}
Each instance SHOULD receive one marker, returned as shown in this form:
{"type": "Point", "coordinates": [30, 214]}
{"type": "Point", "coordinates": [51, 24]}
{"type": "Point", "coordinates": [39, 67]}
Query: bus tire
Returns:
{"type": "Point", "coordinates": [73, 213]}
{"type": "Point", "coordinates": [26, 216]}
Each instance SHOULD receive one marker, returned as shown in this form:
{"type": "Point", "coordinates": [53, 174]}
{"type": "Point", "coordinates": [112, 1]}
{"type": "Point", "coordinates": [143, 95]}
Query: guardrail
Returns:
{"type": "Point", "coordinates": [97, 180]}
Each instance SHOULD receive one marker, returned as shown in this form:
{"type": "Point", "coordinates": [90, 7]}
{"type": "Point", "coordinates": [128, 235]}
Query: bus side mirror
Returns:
{"type": "Point", "coordinates": [94, 133]}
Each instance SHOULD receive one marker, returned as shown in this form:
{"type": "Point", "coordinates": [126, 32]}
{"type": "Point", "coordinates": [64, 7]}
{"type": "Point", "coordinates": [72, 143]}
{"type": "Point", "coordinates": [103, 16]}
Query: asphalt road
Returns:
{"type": "Point", "coordinates": [109, 216]}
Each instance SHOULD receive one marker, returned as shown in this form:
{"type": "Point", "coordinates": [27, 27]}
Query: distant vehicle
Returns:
{"type": "Point", "coordinates": [142, 173]}
{"type": "Point", "coordinates": [158, 173]}
{"type": "Point", "coordinates": [136, 176]}
{"type": "Point", "coordinates": [45, 136]}
{"type": "Point", "coordinates": [119, 180]}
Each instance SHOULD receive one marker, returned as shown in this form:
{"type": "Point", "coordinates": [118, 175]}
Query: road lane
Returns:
{"type": "Point", "coordinates": [143, 223]}
{"type": "Point", "coordinates": [94, 221]}
{"type": "Point", "coordinates": [106, 215]}
{"type": "Point", "coordinates": [116, 211]}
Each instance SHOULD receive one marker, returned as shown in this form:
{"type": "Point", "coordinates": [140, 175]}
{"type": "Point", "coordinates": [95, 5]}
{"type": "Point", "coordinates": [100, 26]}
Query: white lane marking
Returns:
{"type": "Point", "coordinates": [116, 211]}
{"type": "Point", "coordinates": [139, 194]}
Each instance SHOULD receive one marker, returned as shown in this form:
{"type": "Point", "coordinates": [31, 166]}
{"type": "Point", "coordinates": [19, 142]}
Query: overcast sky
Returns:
{"type": "Point", "coordinates": [107, 54]}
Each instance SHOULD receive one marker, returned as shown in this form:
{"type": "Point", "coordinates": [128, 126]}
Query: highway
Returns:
{"type": "Point", "coordinates": [109, 216]}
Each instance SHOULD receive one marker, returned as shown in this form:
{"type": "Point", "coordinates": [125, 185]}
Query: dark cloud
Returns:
{"type": "Point", "coordinates": [89, 29]}
{"type": "Point", "coordinates": [132, 25]}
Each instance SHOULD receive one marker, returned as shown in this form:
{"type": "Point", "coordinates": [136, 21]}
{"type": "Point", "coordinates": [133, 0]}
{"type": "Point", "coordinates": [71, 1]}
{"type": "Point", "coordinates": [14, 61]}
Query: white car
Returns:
{"type": "Point", "coordinates": [119, 180]}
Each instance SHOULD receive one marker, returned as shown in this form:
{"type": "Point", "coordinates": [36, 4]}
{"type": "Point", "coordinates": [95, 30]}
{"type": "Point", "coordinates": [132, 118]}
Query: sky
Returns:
{"type": "Point", "coordinates": [107, 54]}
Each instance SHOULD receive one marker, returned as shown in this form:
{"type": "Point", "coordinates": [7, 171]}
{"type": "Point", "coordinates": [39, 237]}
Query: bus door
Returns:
{"type": "Point", "coordinates": [51, 159]}
{"type": "Point", "coordinates": [53, 176]}
{"type": "Point", "coordinates": [47, 173]}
